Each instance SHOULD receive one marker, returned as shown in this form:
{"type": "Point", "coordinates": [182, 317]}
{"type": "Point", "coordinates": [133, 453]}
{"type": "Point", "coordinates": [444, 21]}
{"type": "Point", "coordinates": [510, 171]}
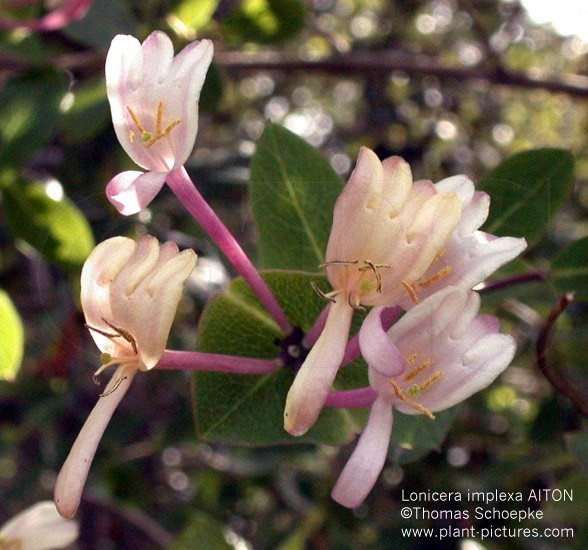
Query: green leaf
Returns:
{"type": "Point", "coordinates": [203, 531]}
{"type": "Point", "coordinates": [195, 13]}
{"type": "Point", "coordinates": [12, 340]}
{"type": "Point", "coordinates": [264, 21]}
{"type": "Point", "coordinates": [414, 436]}
{"type": "Point", "coordinates": [29, 109]}
{"type": "Point", "coordinates": [293, 191]}
{"type": "Point", "coordinates": [569, 271]}
{"type": "Point", "coordinates": [246, 409]}
{"type": "Point", "coordinates": [526, 191]}
{"type": "Point", "coordinates": [55, 228]}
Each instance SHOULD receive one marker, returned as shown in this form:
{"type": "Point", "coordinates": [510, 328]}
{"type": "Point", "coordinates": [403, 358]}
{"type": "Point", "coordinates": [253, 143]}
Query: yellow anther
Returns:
{"type": "Point", "coordinates": [439, 275]}
{"type": "Point", "coordinates": [411, 291]}
{"type": "Point", "coordinates": [412, 404]}
{"type": "Point", "coordinates": [411, 358]}
{"type": "Point", "coordinates": [431, 380]}
{"type": "Point", "coordinates": [149, 138]}
{"type": "Point", "coordinates": [413, 372]}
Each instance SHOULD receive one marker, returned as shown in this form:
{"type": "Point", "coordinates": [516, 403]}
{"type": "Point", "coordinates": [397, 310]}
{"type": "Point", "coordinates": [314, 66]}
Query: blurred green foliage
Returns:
{"type": "Point", "coordinates": [154, 483]}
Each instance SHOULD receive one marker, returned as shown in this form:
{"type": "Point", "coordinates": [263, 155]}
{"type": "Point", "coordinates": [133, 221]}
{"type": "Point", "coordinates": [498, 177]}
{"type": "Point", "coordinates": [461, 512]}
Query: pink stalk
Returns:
{"type": "Point", "coordinates": [212, 362]}
{"type": "Point", "coordinates": [313, 333]}
{"type": "Point", "coordinates": [182, 186]}
{"type": "Point", "coordinates": [358, 398]}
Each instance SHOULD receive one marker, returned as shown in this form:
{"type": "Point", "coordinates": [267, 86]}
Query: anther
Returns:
{"type": "Point", "coordinates": [147, 137]}
{"type": "Point", "coordinates": [411, 291]}
{"type": "Point", "coordinates": [439, 275]}
{"type": "Point", "coordinates": [326, 296]}
{"type": "Point", "coordinates": [430, 380]}
{"type": "Point", "coordinates": [339, 262]}
{"type": "Point", "coordinates": [423, 366]}
{"type": "Point", "coordinates": [417, 406]}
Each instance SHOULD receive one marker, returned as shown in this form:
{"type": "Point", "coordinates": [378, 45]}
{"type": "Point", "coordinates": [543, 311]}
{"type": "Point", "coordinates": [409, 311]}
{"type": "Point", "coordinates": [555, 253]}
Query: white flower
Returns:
{"type": "Point", "coordinates": [39, 527]}
{"type": "Point", "coordinates": [129, 293]}
{"type": "Point", "coordinates": [154, 103]}
{"type": "Point", "coordinates": [438, 354]}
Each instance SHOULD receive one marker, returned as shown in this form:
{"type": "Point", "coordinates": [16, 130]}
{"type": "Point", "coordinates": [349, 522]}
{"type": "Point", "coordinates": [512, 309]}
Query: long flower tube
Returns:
{"type": "Point", "coordinates": [439, 354]}
{"type": "Point", "coordinates": [182, 186]}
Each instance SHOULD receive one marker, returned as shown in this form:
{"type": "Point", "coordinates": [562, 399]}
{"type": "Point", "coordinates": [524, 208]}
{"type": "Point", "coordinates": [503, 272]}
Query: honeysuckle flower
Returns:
{"type": "Point", "coordinates": [61, 15]}
{"type": "Point", "coordinates": [393, 243]}
{"type": "Point", "coordinates": [153, 99]}
{"type": "Point", "coordinates": [39, 527]}
{"type": "Point", "coordinates": [438, 354]}
{"type": "Point", "coordinates": [386, 233]}
{"type": "Point", "coordinates": [129, 294]}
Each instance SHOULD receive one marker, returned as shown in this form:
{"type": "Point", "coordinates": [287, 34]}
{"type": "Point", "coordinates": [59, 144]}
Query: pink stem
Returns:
{"type": "Point", "coordinates": [69, 11]}
{"type": "Point", "coordinates": [180, 183]}
{"type": "Point", "coordinates": [212, 362]}
{"type": "Point", "coordinates": [315, 330]}
{"type": "Point", "coordinates": [351, 399]}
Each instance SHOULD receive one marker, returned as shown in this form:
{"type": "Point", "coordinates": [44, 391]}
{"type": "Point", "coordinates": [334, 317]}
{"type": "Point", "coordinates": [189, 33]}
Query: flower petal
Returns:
{"type": "Point", "coordinates": [376, 346]}
{"type": "Point", "coordinates": [40, 527]}
{"type": "Point", "coordinates": [313, 381]}
{"type": "Point", "coordinates": [72, 477]}
{"type": "Point", "coordinates": [131, 191]}
{"type": "Point", "coordinates": [367, 460]}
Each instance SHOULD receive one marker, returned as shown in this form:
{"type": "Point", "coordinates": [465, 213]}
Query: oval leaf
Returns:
{"type": "Point", "coordinates": [527, 190]}
{"type": "Point", "coordinates": [55, 228]}
{"type": "Point", "coordinates": [12, 340]}
{"type": "Point", "coordinates": [246, 409]}
{"type": "Point", "coordinates": [569, 271]}
{"type": "Point", "coordinates": [293, 191]}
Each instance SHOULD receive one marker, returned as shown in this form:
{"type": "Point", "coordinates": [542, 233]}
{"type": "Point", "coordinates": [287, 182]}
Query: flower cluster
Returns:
{"type": "Point", "coordinates": [415, 246]}
{"type": "Point", "coordinates": [394, 243]}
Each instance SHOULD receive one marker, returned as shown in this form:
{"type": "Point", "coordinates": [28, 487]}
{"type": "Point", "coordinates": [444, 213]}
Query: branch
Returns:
{"type": "Point", "coordinates": [560, 383]}
{"type": "Point", "coordinates": [383, 63]}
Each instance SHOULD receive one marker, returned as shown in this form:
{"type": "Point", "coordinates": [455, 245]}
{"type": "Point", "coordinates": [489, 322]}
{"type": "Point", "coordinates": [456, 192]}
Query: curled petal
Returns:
{"type": "Point", "coordinates": [39, 527]}
{"type": "Point", "coordinates": [367, 460]}
{"type": "Point", "coordinates": [313, 381]}
{"type": "Point", "coordinates": [72, 477]}
{"type": "Point", "coordinates": [131, 191]}
{"type": "Point", "coordinates": [376, 346]}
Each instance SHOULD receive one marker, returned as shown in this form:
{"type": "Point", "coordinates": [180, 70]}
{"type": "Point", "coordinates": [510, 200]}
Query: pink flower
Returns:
{"type": "Point", "coordinates": [129, 294]}
{"type": "Point", "coordinates": [65, 12]}
{"type": "Point", "coordinates": [39, 527]}
{"type": "Point", "coordinates": [154, 104]}
{"type": "Point", "coordinates": [439, 354]}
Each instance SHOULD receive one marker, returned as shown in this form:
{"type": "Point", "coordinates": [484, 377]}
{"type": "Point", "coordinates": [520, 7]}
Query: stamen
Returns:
{"type": "Point", "coordinates": [412, 357]}
{"type": "Point", "coordinates": [411, 291]}
{"type": "Point", "coordinates": [423, 366]}
{"type": "Point", "coordinates": [417, 406]}
{"type": "Point", "coordinates": [120, 332]}
{"type": "Point", "coordinates": [430, 381]}
{"type": "Point", "coordinates": [147, 137]}
{"type": "Point", "coordinates": [356, 305]}
{"type": "Point", "coordinates": [116, 386]}
{"type": "Point", "coordinates": [327, 296]}
{"type": "Point", "coordinates": [439, 275]}
{"type": "Point", "coordinates": [339, 262]}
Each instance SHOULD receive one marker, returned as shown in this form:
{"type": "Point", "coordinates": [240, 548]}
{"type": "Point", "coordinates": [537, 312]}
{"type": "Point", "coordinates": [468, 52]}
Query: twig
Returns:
{"type": "Point", "coordinates": [533, 276]}
{"type": "Point", "coordinates": [558, 382]}
{"type": "Point", "coordinates": [381, 64]}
